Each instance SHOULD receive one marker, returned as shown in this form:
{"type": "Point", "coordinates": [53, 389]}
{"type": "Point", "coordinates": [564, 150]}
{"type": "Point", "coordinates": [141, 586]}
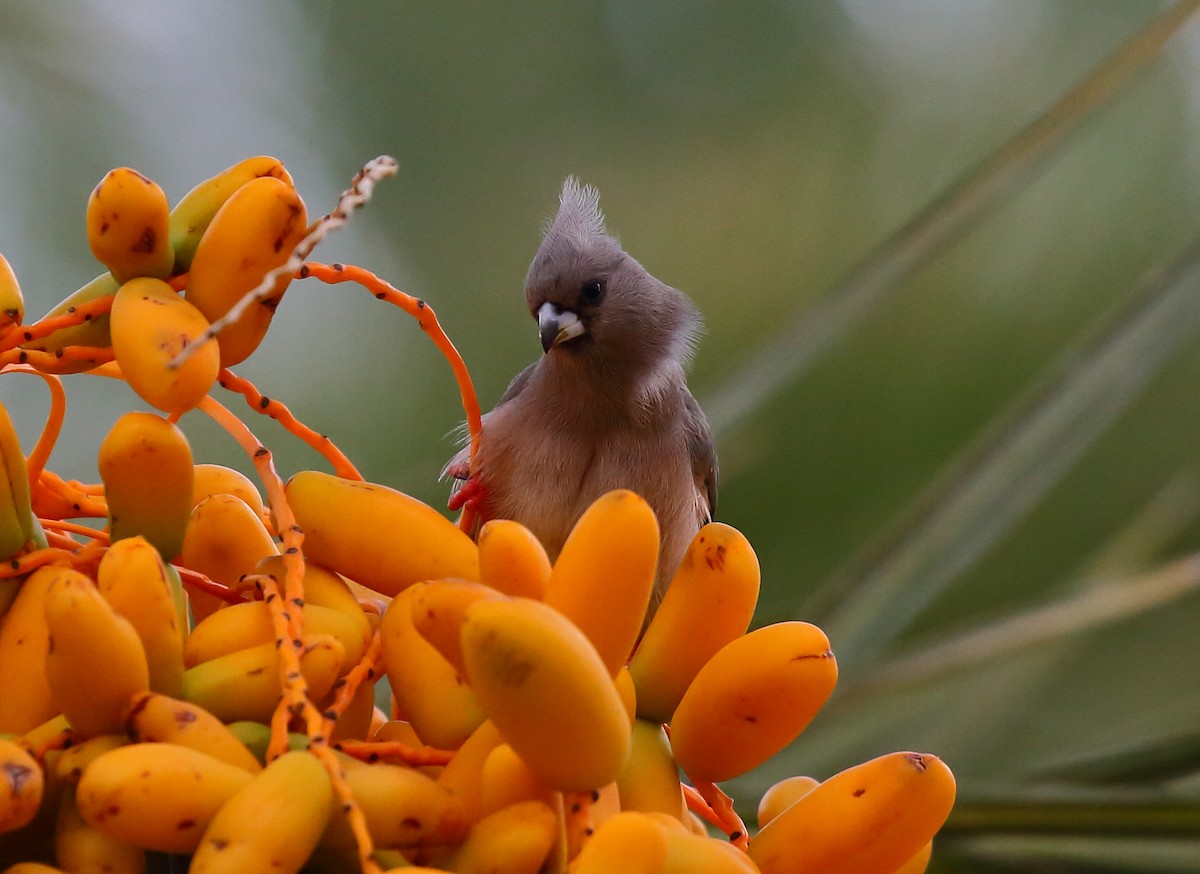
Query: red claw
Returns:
{"type": "Point", "coordinates": [472, 494]}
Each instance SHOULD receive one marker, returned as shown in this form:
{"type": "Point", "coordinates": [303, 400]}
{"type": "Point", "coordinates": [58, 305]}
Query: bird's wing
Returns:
{"type": "Point", "coordinates": [703, 454]}
{"type": "Point", "coordinates": [517, 385]}
{"type": "Point", "coordinates": [457, 467]}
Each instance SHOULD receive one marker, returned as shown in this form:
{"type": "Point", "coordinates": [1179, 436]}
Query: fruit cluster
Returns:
{"type": "Point", "coordinates": [197, 676]}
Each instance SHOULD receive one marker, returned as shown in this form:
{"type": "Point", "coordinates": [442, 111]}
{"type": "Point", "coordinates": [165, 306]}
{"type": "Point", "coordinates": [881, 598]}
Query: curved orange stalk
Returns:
{"type": "Point", "coordinates": [716, 808]}
{"type": "Point", "coordinates": [57, 362]}
{"type": "Point", "coordinates": [198, 581]}
{"type": "Point", "coordinates": [348, 686]}
{"type": "Point", "coordinates": [35, 461]}
{"type": "Point", "coordinates": [61, 540]}
{"type": "Point", "coordinates": [393, 750]}
{"type": "Point", "coordinates": [575, 811]}
{"type": "Point", "coordinates": [77, 315]}
{"type": "Point", "coordinates": [54, 497]}
{"type": "Point", "coordinates": [59, 525]}
{"type": "Point", "coordinates": [289, 626]}
{"type": "Point", "coordinates": [427, 319]}
{"type": "Point", "coordinates": [278, 411]}
{"type": "Point", "coordinates": [59, 740]}
{"type": "Point", "coordinates": [31, 561]}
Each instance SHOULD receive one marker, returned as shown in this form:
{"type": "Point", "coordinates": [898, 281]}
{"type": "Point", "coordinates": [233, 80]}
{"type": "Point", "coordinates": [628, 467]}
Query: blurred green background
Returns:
{"type": "Point", "coordinates": [751, 154]}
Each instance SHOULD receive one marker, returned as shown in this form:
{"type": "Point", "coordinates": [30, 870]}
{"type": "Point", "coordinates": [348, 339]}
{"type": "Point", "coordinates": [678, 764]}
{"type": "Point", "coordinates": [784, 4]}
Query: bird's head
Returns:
{"type": "Point", "coordinates": [591, 300]}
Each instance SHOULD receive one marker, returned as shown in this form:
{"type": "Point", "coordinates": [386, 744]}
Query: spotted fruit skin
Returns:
{"type": "Point", "coordinates": [95, 663]}
{"type": "Point", "coordinates": [145, 462]}
{"type": "Point", "coordinates": [150, 325]}
{"type": "Point", "coordinates": [540, 680]}
{"type": "Point", "coordinates": [252, 233]}
{"type": "Point", "coordinates": [271, 824]}
{"type": "Point", "coordinates": [752, 699]}
{"type": "Point", "coordinates": [21, 785]}
{"type": "Point", "coordinates": [127, 219]}
{"type": "Point", "coordinates": [869, 819]}
{"type": "Point", "coordinates": [158, 796]}
{"type": "Point", "coordinates": [377, 536]}
{"type": "Point", "coordinates": [709, 603]}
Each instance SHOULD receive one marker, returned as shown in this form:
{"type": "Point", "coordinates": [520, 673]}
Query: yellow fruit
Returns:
{"type": "Point", "coordinates": [12, 303]}
{"type": "Point", "coordinates": [430, 693]}
{"type": "Point", "coordinates": [649, 782]}
{"type": "Point", "coordinates": [83, 849]}
{"type": "Point", "coordinates": [688, 853]}
{"type": "Point", "coordinates": [629, 842]}
{"type": "Point", "coordinates": [323, 588]}
{"type": "Point", "coordinates": [156, 796]}
{"type": "Point", "coordinates": [18, 526]}
{"type": "Point", "coordinates": [155, 718]}
{"type": "Point", "coordinates": [604, 574]}
{"type": "Point", "coordinates": [273, 823]}
{"type": "Point", "coordinates": [461, 776]}
{"type": "Point", "coordinates": [710, 602]}
{"type": "Point", "coordinates": [239, 626]}
{"type": "Point", "coordinates": [514, 840]}
{"type": "Point", "coordinates": [403, 808]}
{"type": "Point", "coordinates": [438, 609]}
{"type": "Point", "coordinates": [752, 699]}
{"type": "Point", "coordinates": [543, 685]}
{"type": "Point", "coordinates": [253, 232]}
{"type": "Point", "coordinates": [21, 785]}
{"type": "Point", "coordinates": [782, 795]}
{"type": "Point", "coordinates": [74, 759]}
{"type": "Point", "coordinates": [245, 685]}
{"type": "Point", "coordinates": [918, 863]}
{"type": "Point", "coordinates": [95, 663]}
{"type": "Point", "coordinates": [133, 578]}
{"type": "Point", "coordinates": [191, 216]}
{"type": "Point", "coordinates": [215, 479]}
{"type": "Point", "coordinates": [127, 216]}
{"type": "Point", "coordinates": [377, 536]}
{"type": "Point", "coordinates": [150, 325]}
{"type": "Point", "coordinates": [225, 540]}
{"type": "Point", "coordinates": [93, 332]}
{"type": "Point", "coordinates": [505, 780]}
{"type": "Point", "coordinates": [869, 819]}
{"type": "Point", "coordinates": [24, 641]}
{"type": "Point", "coordinates": [625, 688]}
{"type": "Point", "coordinates": [146, 465]}
{"type": "Point", "coordinates": [512, 560]}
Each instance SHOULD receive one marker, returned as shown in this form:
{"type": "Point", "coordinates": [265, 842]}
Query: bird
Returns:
{"type": "Point", "coordinates": [606, 406]}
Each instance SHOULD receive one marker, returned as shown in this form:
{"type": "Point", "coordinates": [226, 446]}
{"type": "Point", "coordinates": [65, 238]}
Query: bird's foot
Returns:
{"type": "Point", "coordinates": [471, 495]}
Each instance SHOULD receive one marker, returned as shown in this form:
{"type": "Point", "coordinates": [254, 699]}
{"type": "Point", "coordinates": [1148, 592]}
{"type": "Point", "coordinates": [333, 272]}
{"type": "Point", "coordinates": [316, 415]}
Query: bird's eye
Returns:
{"type": "Point", "coordinates": [592, 290]}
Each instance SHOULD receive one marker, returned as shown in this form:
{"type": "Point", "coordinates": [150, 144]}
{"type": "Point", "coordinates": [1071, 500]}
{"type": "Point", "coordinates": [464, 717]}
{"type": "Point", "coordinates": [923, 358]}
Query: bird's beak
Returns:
{"type": "Point", "coordinates": [557, 325]}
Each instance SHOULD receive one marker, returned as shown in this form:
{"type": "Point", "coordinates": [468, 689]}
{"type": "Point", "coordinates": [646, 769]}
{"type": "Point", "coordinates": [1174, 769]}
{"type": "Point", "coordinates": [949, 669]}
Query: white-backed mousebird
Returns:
{"type": "Point", "coordinates": [606, 406]}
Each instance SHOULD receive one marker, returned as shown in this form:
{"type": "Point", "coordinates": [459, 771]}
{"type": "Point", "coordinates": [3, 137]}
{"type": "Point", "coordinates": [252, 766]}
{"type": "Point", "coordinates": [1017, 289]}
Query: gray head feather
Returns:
{"type": "Point", "coordinates": [579, 215]}
{"type": "Point", "coordinates": [639, 323]}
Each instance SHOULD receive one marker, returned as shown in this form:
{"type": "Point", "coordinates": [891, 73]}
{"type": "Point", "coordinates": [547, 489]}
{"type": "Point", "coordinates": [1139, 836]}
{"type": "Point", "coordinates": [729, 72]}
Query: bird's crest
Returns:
{"type": "Point", "coordinates": [579, 215]}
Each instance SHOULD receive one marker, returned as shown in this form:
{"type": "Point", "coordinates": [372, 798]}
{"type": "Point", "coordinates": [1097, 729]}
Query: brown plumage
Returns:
{"type": "Point", "coordinates": [607, 406]}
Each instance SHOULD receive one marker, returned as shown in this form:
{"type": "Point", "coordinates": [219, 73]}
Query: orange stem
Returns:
{"type": "Point", "coordinates": [714, 806]}
{"type": "Point", "coordinates": [61, 361]}
{"type": "Point", "coordinates": [74, 528]}
{"type": "Point", "coordinates": [278, 411]}
{"type": "Point", "coordinates": [394, 750]}
{"type": "Point", "coordinates": [76, 315]}
{"type": "Point", "coordinates": [198, 581]}
{"type": "Point", "coordinates": [53, 497]}
{"type": "Point", "coordinates": [427, 319]}
{"type": "Point", "coordinates": [35, 462]}
{"type": "Point", "coordinates": [348, 686]}
{"type": "Point", "coordinates": [31, 561]}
